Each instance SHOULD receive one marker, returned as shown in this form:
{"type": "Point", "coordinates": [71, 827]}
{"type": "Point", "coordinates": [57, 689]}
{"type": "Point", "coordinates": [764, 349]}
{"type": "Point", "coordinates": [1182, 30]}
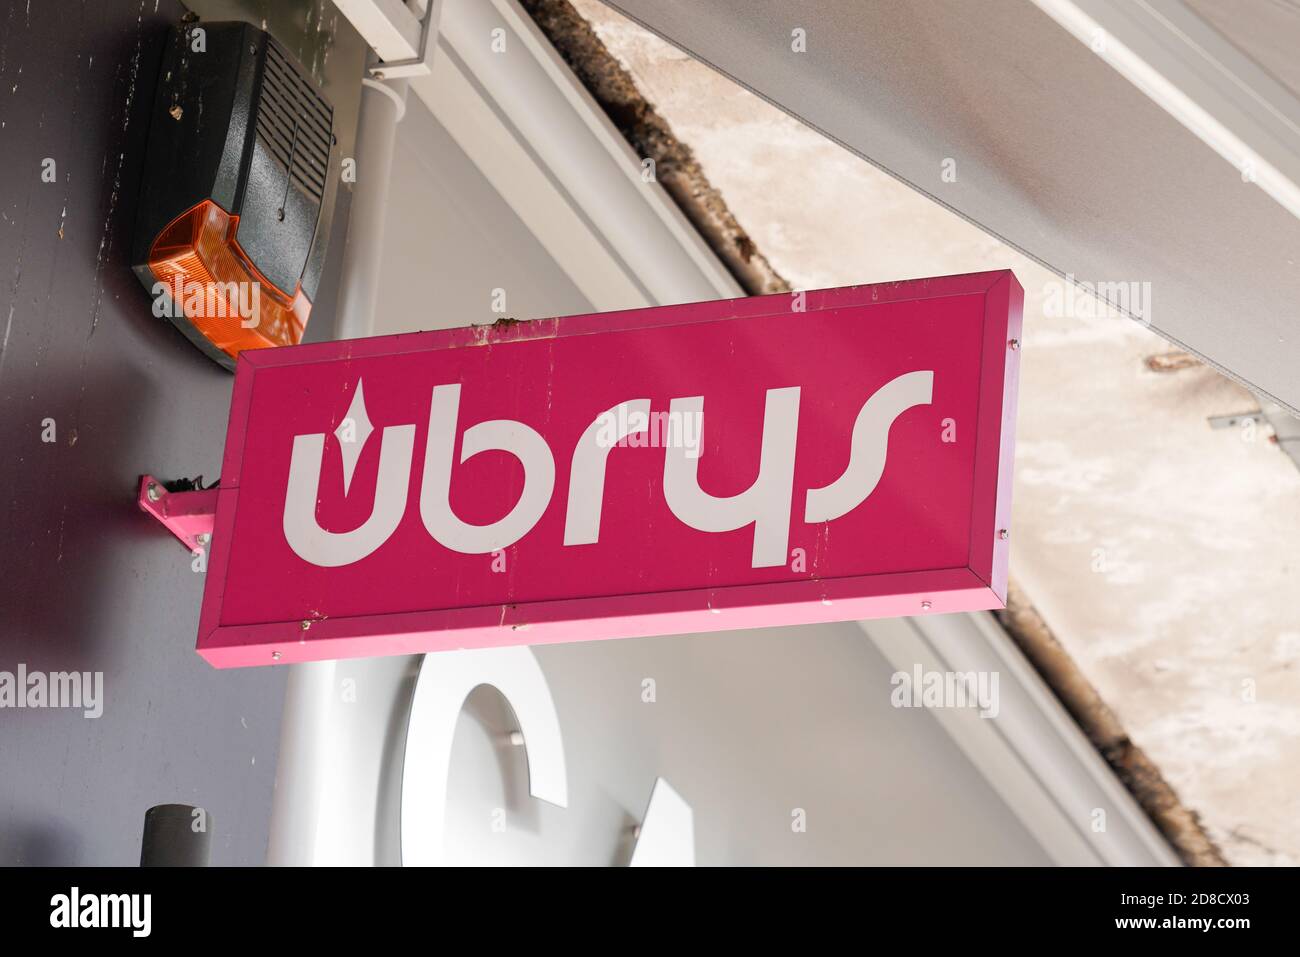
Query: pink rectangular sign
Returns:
{"type": "Point", "coordinates": [819, 456]}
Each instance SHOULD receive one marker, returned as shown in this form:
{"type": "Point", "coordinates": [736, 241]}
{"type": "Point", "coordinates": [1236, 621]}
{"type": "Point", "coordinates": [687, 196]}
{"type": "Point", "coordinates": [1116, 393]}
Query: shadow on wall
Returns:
{"type": "Point", "coordinates": [41, 844]}
{"type": "Point", "coordinates": [72, 510]}
{"type": "Point", "coordinates": [95, 391]}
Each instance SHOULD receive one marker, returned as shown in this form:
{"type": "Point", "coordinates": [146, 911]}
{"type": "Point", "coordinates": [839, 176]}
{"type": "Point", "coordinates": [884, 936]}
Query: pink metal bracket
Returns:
{"type": "Point", "coordinates": [189, 516]}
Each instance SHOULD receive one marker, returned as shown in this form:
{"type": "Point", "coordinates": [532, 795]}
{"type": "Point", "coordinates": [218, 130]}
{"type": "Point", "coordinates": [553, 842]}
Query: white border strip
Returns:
{"type": "Point", "coordinates": [1032, 753]}
{"type": "Point", "coordinates": [1199, 79]}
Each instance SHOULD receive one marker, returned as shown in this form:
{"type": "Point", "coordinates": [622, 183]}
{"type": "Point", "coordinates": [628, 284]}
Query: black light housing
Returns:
{"type": "Point", "coordinates": [233, 217]}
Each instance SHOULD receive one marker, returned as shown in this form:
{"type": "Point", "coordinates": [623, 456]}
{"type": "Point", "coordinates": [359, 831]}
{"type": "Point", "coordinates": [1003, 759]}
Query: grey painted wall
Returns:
{"type": "Point", "coordinates": [87, 581]}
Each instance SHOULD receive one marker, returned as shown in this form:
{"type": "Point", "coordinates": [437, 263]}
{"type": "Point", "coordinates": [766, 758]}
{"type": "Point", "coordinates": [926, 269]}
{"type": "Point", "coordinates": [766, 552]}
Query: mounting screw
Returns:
{"type": "Point", "coordinates": [275, 656]}
{"type": "Point", "coordinates": [176, 112]}
{"type": "Point", "coordinates": [306, 623]}
{"type": "Point", "coordinates": [1003, 534]}
{"type": "Point", "coordinates": [1014, 345]}
{"type": "Point", "coordinates": [153, 493]}
{"type": "Point", "coordinates": [925, 606]}
{"type": "Point", "coordinates": [203, 538]}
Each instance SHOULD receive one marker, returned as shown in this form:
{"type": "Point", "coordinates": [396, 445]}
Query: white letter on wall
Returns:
{"type": "Point", "coordinates": [667, 837]}
{"type": "Point", "coordinates": [445, 681]}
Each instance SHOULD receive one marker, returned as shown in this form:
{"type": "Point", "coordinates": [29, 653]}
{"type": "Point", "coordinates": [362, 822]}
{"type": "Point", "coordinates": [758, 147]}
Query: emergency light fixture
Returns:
{"type": "Point", "coordinates": [233, 216]}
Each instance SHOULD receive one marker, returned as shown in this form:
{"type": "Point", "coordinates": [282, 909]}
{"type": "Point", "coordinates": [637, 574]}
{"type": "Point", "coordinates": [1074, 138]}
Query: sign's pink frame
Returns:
{"type": "Point", "coordinates": [980, 584]}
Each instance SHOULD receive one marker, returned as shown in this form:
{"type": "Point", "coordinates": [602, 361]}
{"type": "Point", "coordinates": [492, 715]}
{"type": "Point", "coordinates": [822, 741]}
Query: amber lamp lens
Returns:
{"type": "Point", "coordinates": [221, 292]}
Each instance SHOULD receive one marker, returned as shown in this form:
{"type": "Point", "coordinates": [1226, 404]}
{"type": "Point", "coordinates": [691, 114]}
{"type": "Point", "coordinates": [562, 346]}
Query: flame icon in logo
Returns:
{"type": "Point", "coordinates": [352, 434]}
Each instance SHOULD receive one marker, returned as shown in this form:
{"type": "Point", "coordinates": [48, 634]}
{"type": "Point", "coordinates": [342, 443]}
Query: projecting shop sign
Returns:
{"type": "Point", "coordinates": [835, 454]}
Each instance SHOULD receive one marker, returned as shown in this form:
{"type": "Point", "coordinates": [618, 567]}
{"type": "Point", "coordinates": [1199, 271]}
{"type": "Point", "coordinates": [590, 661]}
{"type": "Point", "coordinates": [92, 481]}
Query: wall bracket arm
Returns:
{"type": "Point", "coordinates": [189, 515]}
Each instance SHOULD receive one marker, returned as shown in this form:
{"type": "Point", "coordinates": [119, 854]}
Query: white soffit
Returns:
{"type": "Point", "coordinates": [517, 111]}
{"type": "Point", "coordinates": [1057, 153]}
{"type": "Point", "coordinates": [1197, 76]}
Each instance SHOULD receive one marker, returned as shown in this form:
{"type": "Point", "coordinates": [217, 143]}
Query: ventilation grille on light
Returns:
{"type": "Point", "coordinates": [295, 124]}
